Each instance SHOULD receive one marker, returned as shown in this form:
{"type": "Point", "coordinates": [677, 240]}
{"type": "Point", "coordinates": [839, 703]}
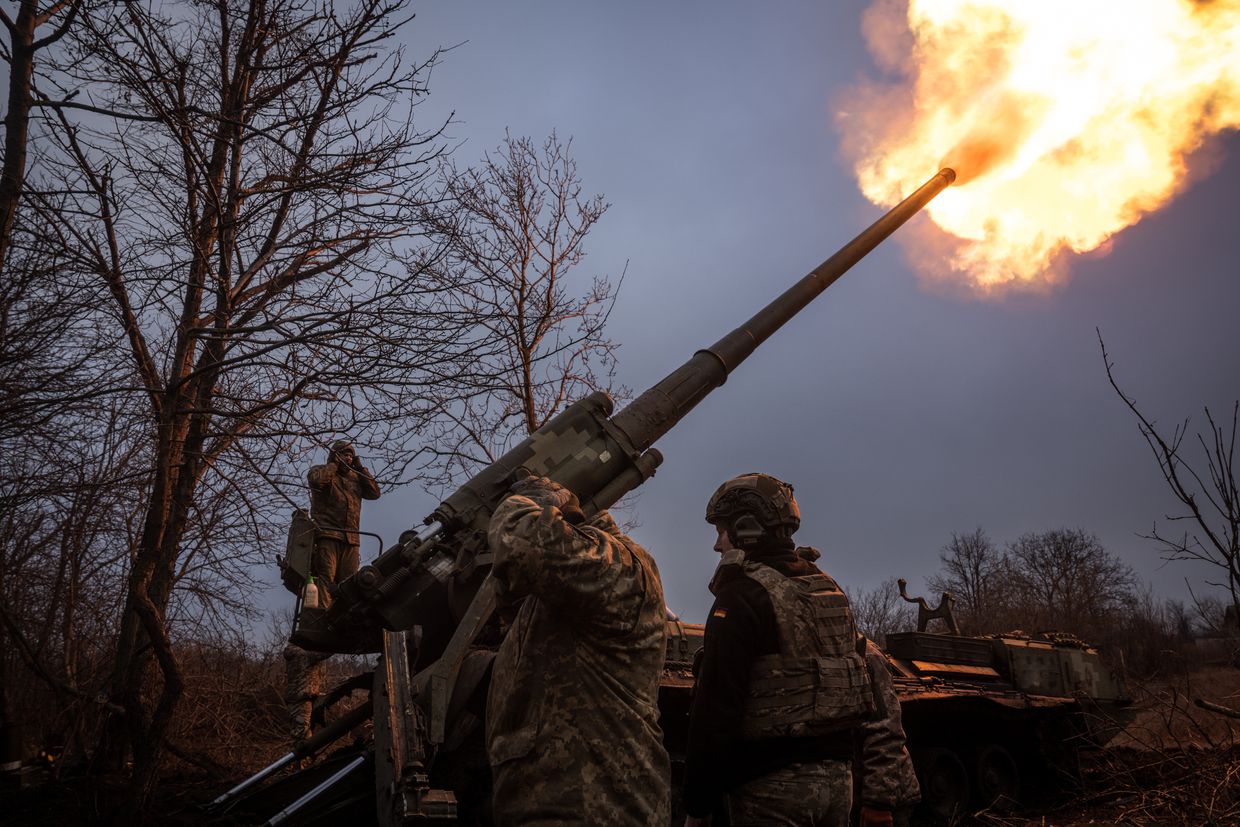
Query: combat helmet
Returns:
{"type": "Point", "coordinates": [754, 507]}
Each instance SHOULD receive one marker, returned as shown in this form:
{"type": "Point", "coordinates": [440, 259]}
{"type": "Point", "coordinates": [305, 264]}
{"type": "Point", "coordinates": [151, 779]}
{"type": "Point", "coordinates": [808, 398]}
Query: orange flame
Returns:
{"type": "Point", "coordinates": [1065, 120]}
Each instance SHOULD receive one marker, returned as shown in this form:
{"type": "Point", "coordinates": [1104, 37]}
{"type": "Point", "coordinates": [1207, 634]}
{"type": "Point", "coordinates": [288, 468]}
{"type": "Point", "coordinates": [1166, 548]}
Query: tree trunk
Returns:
{"type": "Point", "coordinates": [10, 737]}
{"type": "Point", "coordinates": [17, 121]}
{"type": "Point", "coordinates": [123, 732]}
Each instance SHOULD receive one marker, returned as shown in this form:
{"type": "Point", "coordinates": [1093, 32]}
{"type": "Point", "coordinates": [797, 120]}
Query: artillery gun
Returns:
{"type": "Point", "coordinates": [427, 603]}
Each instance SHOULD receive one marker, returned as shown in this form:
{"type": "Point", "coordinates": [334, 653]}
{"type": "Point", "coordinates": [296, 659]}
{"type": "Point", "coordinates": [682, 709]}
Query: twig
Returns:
{"type": "Point", "coordinates": [1219, 708]}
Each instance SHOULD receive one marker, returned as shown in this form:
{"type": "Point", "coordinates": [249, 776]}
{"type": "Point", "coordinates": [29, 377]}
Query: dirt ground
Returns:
{"type": "Point", "coordinates": [1174, 764]}
{"type": "Point", "coordinates": [1168, 718]}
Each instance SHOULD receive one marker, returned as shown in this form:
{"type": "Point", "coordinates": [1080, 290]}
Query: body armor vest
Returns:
{"type": "Point", "coordinates": [818, 683]}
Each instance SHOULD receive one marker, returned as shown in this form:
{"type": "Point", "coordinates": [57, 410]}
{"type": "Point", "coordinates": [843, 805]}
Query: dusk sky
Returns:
{"type": "Point", "coordinates": [900, 411]}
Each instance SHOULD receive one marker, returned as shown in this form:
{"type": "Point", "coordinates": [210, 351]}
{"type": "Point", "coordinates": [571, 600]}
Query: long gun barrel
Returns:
{"type": "Point", "coordinates": [653, 414]}
{"type": "Point", "coordinates": [432, 578]}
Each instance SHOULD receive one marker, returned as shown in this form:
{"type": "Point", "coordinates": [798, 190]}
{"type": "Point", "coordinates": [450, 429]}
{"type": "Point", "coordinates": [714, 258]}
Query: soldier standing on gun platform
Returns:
{"type": "Point", "coordinates": [336, 493]}
{"type": "Point", "coordinates": [786, 687]}
{"type": "Point", "coordinates": [337, 489]}
{"type": "Point", "coordinates": [572, 719]}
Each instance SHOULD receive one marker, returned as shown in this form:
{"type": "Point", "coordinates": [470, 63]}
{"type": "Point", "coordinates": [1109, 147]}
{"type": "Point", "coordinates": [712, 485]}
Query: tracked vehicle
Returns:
{"type": "Point", "coordinates": [992, 722]}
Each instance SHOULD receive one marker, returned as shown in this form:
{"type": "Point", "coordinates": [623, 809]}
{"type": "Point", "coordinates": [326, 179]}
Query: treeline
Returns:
{"type": "Point", "coordinates": [1058, 581]}
{"type": "Point", "coordinates": [228, 236]}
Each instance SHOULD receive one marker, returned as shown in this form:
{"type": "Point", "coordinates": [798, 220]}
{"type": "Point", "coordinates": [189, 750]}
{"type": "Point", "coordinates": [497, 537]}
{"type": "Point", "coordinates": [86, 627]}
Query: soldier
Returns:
{"type": "Point", "coordinates": [336, 493]}
{"type": "Point", "coordinates": [303, 681]}
{"type": "Point", "coordinates": [784, 687]}
{"type": "Point", "coordinates": [572, 719]}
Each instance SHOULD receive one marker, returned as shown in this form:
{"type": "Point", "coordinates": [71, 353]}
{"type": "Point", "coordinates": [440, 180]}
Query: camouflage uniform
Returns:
{"type": "Point", "coordinates": [336, 493]}
{"type": "Point", "coordinates": [786, 689]}
{"type": "Point", "coordinates": [337, 489]}
{"type": "Point", "coordinates": [573, 723]}
{"type": "Point", "coordinates": [888, 781]}
{"type": "Point", "coordinates": [303, 682]}
{"type": "Point", "coordinates": [790, 775]}
{"type": "Point", "coordinates": [815, 793]}
{"type": "Point", "coordinates": [778, 706]}
{"type": "Point", "coordinates": [820, 793]}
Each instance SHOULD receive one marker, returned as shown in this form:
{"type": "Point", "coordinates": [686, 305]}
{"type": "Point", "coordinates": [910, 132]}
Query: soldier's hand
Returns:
{"type": "Point", "coordinates": [871, 817]}
{"type": "Point", "coordinates": [690, 821]}
{"type": "Point", "coordinates": [547, 492]}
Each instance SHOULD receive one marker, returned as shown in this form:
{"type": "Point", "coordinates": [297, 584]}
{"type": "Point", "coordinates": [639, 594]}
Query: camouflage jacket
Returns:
{"type": "Point", "coordinates": [887, 778]}
{"type": "Point", "coordinates": [336, 494]}
{"type": "Point", "coordinates": [572, 722]}
{"type": "Point", "coordinates": [740, 629]}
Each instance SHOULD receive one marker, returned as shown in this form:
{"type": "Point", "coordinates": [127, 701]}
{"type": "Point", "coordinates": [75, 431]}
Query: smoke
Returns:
{"type": "Point", "coordinates": [1065, 121]}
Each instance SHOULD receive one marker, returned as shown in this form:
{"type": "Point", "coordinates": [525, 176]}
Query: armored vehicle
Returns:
{"type": "Point", "coordinates": [991, 721]}
{"type": "Point", "coordinates": [994, 720]}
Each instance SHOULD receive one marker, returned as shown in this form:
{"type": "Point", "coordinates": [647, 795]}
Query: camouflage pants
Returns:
{"type": "Point", "coordinates": [303, 681]}
{"type": "Point", "coordinates": [798, 795]}
{"type": "Point", "coordinates": [334, 560]}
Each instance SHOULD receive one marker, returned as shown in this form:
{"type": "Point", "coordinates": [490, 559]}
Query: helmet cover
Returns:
{"type": "Point", "coordinates": [753, 507]}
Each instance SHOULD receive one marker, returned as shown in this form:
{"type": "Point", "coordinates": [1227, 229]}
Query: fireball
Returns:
{"type": "Point", "coordinates": [1065, 121]}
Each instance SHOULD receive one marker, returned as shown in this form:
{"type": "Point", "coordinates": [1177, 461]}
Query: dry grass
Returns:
{"type": "Point", "coordinates": [1167, 718]}
{"type": "Point", "coordinates": [1174, 764]}
{"type": "Point", "coordinates": [231, 722]}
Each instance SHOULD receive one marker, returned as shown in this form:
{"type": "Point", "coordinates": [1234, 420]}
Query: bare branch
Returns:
{"type": "Point", "coordinates": [1216, 539]}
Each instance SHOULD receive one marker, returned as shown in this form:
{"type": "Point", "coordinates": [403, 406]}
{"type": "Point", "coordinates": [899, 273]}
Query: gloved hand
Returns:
{"type": "Point", "coordinates": [547, 492]}
{"type": "Point", "coordinates": [871, 817]}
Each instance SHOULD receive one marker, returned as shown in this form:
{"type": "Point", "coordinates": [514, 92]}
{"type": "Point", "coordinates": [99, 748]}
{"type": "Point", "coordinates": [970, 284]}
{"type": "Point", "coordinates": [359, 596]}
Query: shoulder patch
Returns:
{"type": "Point", "coordinates": [719, 613]}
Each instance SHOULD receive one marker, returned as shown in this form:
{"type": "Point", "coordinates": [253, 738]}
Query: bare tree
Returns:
{"type": "Point", "coordinates": [1065, 580]}
{"type": "Point", "coordinates": [516, 226]}
{"type": "Point", "coordinates": [881, 610]}
{"type": "Point", "coordinates": [1061, 581]}
{"type": "Point", "coordinates": [54, 18]}
{"type": "Point", "coordinates": [1151, 636]}
{"type": "Point", "coordinates": [59, 489]}
{"type": "Point", "coordinates": [1210, 615]}
{"type": "Point", "coordinates": [246, 216]}
{"type": "Point", "coordinates": [63, 545]}
{"type": "Point", "coordinates": [972, 572]}
{"type": "Point", "coordinates": [1208, 490]}
{"type": "Point", "coordinates": [1181, 620]}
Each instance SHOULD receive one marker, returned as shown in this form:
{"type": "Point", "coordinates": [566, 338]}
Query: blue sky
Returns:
{"type": "Point", "coordinates": [900, 412]}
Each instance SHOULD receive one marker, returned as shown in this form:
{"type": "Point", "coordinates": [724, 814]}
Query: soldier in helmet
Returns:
{"type": "Point", "coordinates": [572, 718]}
{"type": "Point", "coordinates": [784, 689]}
{"type": "Point", "coordinates": [337, 489]}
